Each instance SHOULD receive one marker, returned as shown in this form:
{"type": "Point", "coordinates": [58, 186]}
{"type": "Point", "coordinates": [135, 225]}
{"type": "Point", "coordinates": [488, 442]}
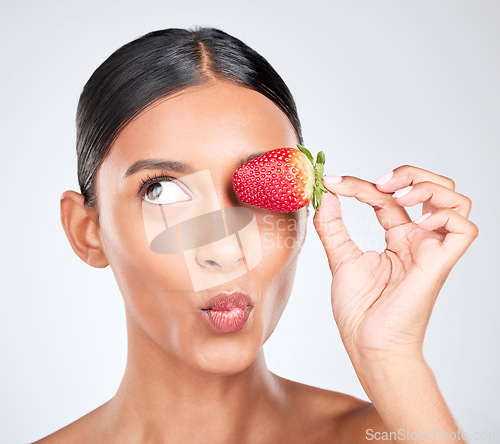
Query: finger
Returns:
{"type": "Point", "coordinates": [435, 196]}
{"type": "Point", "coordinates": [461, 232]}
{"type": "Point", "coordinates": [409, 175]}
{"type": "Point", "coordinates": [333, 233]}
{"type": "Point", "coordinates": [389, 213]}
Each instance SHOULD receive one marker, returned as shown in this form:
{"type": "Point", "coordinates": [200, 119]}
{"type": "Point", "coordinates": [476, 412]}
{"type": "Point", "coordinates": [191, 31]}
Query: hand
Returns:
{"type": "Point", "coordinates": [382, 302]}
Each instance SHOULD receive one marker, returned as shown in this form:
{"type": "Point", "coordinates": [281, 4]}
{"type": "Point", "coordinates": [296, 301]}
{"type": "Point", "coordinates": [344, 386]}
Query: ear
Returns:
{"type": "Point", "coordinates": [82, 229]}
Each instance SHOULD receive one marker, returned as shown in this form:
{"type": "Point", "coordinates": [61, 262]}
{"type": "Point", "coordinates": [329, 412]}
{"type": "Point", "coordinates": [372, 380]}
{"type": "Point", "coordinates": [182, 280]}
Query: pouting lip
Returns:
{"type": "Point", "coordinates": [224, 300]}
{"type": "Point", "coordinates": [223, 322]}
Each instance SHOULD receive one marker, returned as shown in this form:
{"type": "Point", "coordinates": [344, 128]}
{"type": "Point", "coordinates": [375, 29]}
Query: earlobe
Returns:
{"type": "Point", "coordinates": [82, 229]}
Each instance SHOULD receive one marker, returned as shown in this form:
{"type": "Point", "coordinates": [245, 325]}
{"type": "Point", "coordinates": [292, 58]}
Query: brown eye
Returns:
{"type": "Point", "coordinates": [154, 191]}
{"type": "Point", "coordinates": [166, 192]}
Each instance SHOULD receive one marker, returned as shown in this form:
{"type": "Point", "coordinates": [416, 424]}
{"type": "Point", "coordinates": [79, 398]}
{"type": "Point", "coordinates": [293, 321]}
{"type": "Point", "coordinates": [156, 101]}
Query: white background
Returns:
{"type": "Point", "coordinates": [378, 84]}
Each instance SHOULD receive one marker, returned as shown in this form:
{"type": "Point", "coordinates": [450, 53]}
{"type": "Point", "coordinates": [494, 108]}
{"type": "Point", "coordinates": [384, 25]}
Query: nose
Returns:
{"type": "Point", "coordinates": [223, 255]}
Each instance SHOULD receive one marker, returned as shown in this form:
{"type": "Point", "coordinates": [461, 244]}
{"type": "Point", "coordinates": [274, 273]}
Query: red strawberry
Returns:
{"type": "Point", "coordinates": [283, 180]}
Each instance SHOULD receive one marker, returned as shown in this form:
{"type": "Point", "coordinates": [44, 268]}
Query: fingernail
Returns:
{"type": "Point", "coordinates": [422, 218]}
{"type": "Point", "coordinates": [402, 191]}
{"type": "Point", "coordinates": [332, 180]}
{"type": "Point", "coordinates": [384, 178]}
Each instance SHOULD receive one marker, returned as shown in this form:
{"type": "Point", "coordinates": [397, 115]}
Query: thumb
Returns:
{"type": "Point", "coordinates": [333, 233]}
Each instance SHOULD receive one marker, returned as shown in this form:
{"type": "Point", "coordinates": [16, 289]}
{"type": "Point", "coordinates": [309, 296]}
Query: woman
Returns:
{"type": "Point", "coordinates": [162, 125]}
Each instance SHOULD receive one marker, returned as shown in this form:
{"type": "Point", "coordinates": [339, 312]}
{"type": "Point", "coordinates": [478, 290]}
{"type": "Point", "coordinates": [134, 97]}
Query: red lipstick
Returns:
{"type": "Point", "coordinates": [228, 312]}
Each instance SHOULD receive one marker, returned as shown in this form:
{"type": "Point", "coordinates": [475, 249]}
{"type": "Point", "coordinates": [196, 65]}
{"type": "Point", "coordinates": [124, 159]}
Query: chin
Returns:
{"type": "Point", "coordinates": [228, 357]}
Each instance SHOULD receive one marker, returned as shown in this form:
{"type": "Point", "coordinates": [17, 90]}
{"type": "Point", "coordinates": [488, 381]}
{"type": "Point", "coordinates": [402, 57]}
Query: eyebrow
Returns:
{"type": "Point", "coordinates": [172, 165]}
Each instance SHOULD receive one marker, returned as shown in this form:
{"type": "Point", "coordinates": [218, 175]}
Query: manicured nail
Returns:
{"type": "Point", "coordinates": [384, 178]}
{"type": "Point", "coordinates": [332, 180]}
{"type": "Point", "coordinates": [422, 218]}
{"type": "Point", "coordinates": [402, 191]}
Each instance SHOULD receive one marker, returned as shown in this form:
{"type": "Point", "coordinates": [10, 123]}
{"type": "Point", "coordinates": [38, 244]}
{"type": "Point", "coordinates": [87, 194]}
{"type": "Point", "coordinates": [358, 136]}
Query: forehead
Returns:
{"type": "Point", "coordinates": [203, 125]}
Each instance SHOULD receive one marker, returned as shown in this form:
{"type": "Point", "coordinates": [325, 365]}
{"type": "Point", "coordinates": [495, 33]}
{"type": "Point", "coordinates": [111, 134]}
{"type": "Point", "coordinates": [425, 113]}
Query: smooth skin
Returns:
{"type": "Point", "coordinates": [186, 383]}
{"type": "Point", "coordinates": [382, 302]}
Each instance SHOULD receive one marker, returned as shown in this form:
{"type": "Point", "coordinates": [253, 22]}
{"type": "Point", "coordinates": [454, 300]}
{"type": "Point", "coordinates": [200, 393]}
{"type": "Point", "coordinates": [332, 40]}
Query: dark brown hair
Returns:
{"type": "Point", "coordinates": [156, 65]}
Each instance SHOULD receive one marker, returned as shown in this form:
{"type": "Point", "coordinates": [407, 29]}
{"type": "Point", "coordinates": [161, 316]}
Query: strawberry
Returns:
{"type": "Point", "coordinates": [283, 180]}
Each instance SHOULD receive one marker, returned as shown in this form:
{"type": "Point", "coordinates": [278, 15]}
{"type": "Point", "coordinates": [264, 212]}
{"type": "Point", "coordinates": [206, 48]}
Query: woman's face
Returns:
{"type": "Point", "coordinates": [212, 129]}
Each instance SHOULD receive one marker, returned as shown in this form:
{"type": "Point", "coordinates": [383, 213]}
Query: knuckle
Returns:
{"type": "Point", "coordinates": [384, 201]}
{"type": "Point", "coordinates": [474, 230]}
{"type": "Point", "coordinates": [468, 202]}
{"type": "Point", "coordinates": [403, 168]}
{"type": "Point", "coordinates": [450, 183]}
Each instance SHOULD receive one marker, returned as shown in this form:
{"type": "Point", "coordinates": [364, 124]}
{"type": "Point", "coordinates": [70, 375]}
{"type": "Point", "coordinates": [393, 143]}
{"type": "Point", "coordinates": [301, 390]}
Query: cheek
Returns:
{"type": "Point", "coordinates": [137, 268]}
{"type": "Point", "coordinates": [282, 236]}
{"type": "Point", "coordinates": [153, 285]}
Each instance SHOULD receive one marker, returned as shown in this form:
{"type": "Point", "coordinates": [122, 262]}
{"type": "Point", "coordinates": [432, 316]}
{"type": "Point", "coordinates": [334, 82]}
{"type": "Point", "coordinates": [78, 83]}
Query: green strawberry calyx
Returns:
{"type": "Point", "coordinates": [319, 168]}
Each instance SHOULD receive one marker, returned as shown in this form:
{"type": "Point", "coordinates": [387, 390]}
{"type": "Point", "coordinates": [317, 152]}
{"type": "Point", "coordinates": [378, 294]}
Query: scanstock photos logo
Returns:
{"type": "Point", "coordinates": [217, 244]}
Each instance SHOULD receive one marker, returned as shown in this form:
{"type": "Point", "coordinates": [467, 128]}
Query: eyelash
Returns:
{"type": "Point", "coordinates": [151, 180]}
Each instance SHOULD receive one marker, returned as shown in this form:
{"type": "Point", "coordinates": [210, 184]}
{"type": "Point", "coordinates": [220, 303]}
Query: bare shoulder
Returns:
{"type": "Point", "coordinates": [335, 417]}
{"type": "Point", "coordinates": [362, 423]}
{"type": "Point", "coordinates": [79, 431]}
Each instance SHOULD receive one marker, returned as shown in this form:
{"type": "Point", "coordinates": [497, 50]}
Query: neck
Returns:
{"type": "Point", "coordinates": [161, 396]}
